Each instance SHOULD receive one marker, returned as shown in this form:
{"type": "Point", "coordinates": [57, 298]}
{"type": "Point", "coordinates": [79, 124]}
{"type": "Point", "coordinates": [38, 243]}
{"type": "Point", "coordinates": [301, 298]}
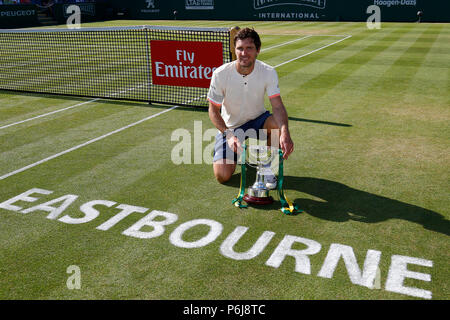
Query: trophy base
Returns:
{"type": "Point", "coordinates": [258, 200]}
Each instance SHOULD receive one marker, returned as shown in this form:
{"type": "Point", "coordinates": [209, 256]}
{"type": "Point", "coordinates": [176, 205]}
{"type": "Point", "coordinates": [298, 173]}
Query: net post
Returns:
{"type": "Point", "coordinates": [233, 32]}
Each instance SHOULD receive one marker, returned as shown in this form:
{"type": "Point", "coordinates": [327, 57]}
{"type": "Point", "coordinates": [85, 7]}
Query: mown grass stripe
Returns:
{"type": "Point", "coordinates": [284, 43]}
{"type": "Point", "coordinates": [24, 144]}
{"type": "Point", "coordinates": [344, 69]}
{"type": "Point", "coordinates": [319, 65]}
{"type": "Point", "coordinates": [292, 50]}
{"type": "Point", "coordinates": [82, 145]}
{"type": "Point", "coordinates": [315, 50]}
{"type": "Point", "coordinates": [47, 114]}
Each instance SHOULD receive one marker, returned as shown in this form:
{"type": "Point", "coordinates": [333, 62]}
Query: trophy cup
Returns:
{"type": "Point", "coordinates": [258, 194]}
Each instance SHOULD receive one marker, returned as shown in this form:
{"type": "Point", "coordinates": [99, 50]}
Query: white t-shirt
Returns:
{"type": "Point", "coordinates": [242, 97]}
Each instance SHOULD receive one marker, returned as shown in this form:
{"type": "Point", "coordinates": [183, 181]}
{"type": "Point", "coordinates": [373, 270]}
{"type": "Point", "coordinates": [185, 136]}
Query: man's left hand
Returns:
{"type": "Point", "coordinates": [286, 144]}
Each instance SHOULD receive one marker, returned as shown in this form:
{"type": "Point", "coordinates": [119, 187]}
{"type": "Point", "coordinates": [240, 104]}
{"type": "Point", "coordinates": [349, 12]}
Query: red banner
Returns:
{"type": "Point", "coordinates": [185, 63]}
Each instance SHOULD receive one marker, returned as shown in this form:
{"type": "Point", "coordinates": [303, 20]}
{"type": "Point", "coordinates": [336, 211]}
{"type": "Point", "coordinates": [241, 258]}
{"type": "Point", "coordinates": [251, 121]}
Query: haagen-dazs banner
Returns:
{"type": "Point", "coordinates": [184, 63]}
{"type": "Point", "coordinates": [290, 9]}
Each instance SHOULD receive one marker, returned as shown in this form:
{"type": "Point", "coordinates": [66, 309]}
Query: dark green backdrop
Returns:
{"type": "Point", "coordinates": [285, 10]}
{"type": "Point", "coordinates": [12, 16]}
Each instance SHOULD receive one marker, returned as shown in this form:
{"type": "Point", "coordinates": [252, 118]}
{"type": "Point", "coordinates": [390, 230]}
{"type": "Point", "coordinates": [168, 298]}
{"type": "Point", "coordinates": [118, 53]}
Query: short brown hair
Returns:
{"type": "Point", "coordinates": [248, 33]}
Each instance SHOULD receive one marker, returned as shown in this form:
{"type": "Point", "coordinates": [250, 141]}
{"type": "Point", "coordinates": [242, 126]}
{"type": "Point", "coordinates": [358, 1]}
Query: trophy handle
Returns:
{"type": "Point", "coordinates": [287, 206]}
{"type": "Point", "coordinates": [238, 201]}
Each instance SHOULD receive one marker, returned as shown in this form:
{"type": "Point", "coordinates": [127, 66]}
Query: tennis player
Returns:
{"type": "Point", "coordinates": [236, 103]}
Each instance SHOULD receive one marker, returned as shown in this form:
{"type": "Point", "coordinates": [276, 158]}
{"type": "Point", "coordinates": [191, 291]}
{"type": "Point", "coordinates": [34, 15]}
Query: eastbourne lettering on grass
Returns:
{"type": "Point", "coordinates": [214, 231]}
{"type": "Point", "coordinates": [227, 246]}
{"type": "Point", "coordinates": [26, 196]}
{"type": "Point", "coordinates": [365, 278]}
{"type": "Point", "coordinates": [54, 211]}
{"type": "Point", "coordinates": [398, 272]}
{"type": "Point", "coordinates": [90, 213]}
{"type": "Point", "coordinates": [149, 220]}
{"type": "Point", "coordinates": [369, 276]}
{"type": "Point", "coordinates": [302, 262]}
{"type": "Point", "coordinates": [126, 211]}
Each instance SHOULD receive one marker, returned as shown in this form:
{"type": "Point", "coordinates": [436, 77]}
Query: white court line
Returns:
{"type": "Point", "coordinates": [305, 37]}
{"type": "Point", "coordinates": [47, 114]}
{"type": "Point", "coordinates": [307, 54]}
{"type": "Point", "coordinates": [133, 124]}
{"type": "Point", "coordinates": [67, 108]}
{"type": "Point", "coordinates": [329, 35]}
{"type": "Point", "coordinates": [285, 43]}
{"type": "Point", "coordinates": [84, 144]}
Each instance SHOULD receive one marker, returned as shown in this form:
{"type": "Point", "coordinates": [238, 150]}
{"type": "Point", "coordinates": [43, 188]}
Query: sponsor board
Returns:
{"type": "Point", "coordinates": [86, 9]}
{"type": "Point", "coordinates": [151, 6]}
{"type": "Point", "coordinates": [184, 63]}
{"type": "Point", "coordinates": [289, 9]}
{"type": "Point", "coordinates": [288, 16]}
{"type": "Point", "coordinates": [199, 4]}
{"type": "Point", "coordinates": [260, 4]}
{"type": "Point", "coordinates": [18, 16]}
{"type": "Point", "coordinates": [18, 13]}
{"type": "Point", "coordinates": [395, 3]}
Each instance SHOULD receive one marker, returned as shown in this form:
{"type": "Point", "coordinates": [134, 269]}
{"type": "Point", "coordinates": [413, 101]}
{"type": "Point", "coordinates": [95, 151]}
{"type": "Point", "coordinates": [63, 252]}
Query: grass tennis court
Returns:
{"type": "Point", "coordinates": [369, 114]}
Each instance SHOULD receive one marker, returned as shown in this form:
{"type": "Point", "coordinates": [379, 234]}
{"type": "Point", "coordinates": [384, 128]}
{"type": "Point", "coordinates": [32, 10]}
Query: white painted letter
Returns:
{"type": "Point", "coordinates": [366, 278]}
{"type": "Point", "coordinates": [158, 226]}
{"type": "Point", "coordinates": [302, 263]}
{"type": "Point", "coordinates": [88, 210]}
{"type": "Point", "coordinates": [398, 271]}
{"type": "Point", "coordinates": [126, 211]}
{"type": "Point", "coordinates": [54, 211]}
{"type": "Point", "coordinates": [227, 246]}
{"type": "Point", "coordinates": [22, 197]}
{"type": "Point", "coordinates": [214, 232]}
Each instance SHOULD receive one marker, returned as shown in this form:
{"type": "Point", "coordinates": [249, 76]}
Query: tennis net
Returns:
{"type": "Point", "coordinates": [166, 65]}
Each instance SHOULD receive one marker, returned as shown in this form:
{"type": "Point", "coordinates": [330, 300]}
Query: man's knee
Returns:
{"type": "Point", "coordinates": [221, 178]}
{"type": "Point", "coordinates": [223, 171]}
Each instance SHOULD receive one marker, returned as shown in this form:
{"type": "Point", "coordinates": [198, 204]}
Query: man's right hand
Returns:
{"type": "Point", "coordinates": [234, 143]}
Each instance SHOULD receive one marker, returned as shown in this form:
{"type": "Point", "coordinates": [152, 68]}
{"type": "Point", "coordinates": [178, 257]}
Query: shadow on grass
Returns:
{"type": "Point", "coordinates": [339, 203]}
{"type": "Point", "coordinates": [144, 104]}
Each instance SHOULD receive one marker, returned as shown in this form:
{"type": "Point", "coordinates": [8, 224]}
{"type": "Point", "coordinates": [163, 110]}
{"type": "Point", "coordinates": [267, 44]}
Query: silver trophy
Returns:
{"type": "Point", "coordinates": [258, 193]}
{"type": "Point", "coordinates": [259, 158]}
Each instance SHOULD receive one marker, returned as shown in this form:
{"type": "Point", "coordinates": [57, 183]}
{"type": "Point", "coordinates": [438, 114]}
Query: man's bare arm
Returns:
{"type": "Point", "coordinates": [217, 120]}
{"type": "Point", "coordinates": [281, 117]}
